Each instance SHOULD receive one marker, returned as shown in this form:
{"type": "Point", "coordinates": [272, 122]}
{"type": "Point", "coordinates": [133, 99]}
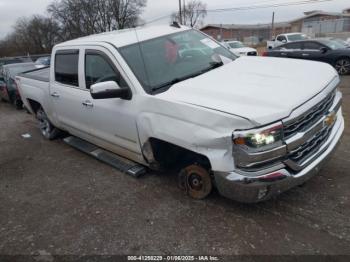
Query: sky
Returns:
{"type": "Point", "coordinates": [11, 10]}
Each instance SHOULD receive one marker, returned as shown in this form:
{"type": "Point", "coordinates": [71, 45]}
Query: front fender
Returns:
{"type": "Point", "coordinates": [199, 130]}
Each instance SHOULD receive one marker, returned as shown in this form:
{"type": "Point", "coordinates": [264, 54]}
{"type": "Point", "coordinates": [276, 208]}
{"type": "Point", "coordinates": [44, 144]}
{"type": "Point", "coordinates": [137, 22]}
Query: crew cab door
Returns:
{"type": "Point", "coordinates": [292, 50]}
{"type": "Point", "coordinates": [69, 96]}
{"type": "Point", "coordinates": [312, 51]}
{"type": "Point", "coordinates": [113, 120]}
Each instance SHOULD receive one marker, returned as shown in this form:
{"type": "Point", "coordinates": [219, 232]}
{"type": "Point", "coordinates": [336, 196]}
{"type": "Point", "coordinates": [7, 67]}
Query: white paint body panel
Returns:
{"type": "Point", "coordinates": [242, 51]}
{"type": "Point", "coordinates": [199, 114]}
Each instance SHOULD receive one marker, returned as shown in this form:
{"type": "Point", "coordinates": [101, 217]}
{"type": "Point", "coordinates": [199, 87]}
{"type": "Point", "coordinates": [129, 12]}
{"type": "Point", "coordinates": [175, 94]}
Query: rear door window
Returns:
{"type": "Point", "coordinates": [292, 46]}
{"type": "Point", "coordinates": [66, 67]}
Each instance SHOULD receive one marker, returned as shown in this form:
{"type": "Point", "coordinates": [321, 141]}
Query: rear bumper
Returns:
{"type": "Point", "coordinates": [250, 188]}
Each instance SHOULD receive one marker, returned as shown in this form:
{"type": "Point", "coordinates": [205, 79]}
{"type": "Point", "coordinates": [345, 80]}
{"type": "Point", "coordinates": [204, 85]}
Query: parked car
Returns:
{"type": "Point", "coordinates": [252, 127]}
{"type": "Point", "coordinates": [327, 51]}
{"type": "Point", "coordinates": [338, 40]}
{"type": "Point", "coordinates": [43, 62]}
{"type": "Point", "coordinates": [239, 49]}
{"type": "Point", "coordinates": [13, 60]}
{"type": "Point", "coordinates": [285, 38]}
{"type": "Point", "coordinates": [9, 90]}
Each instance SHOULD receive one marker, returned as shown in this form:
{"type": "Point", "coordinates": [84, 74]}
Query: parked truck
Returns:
{"type": "Point", "coordinates": [285, 38]}
{"type": "Point", "coordinates": [171, 97]}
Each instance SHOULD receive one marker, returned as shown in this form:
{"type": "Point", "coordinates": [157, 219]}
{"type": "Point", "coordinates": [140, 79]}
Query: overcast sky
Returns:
{"type": "Point", "coordinates": [11, 10]}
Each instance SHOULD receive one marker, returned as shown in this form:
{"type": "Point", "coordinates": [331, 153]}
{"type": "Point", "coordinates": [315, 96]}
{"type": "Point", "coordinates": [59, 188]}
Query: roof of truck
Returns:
{"type": "Point", "coordinates": [120, 38]}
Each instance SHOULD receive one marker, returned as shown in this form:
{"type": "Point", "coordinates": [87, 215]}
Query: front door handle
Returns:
{"type": "Point", "coordinates": [55, 95]}
{"type": "Point", "coordinates": [305, 54]}
{"type": "Point", "coordinates": [88, 103]}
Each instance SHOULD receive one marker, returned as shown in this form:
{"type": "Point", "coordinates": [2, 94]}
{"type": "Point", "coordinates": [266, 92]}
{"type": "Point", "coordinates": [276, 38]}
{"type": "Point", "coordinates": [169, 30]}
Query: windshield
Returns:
{"type": "Point", "coordinates": [297, 37]}
{"type": "Point", "coordinates": [334, 45]}
{"type": "Point", "coordinates": [236, 45]}
{"type": "Point", "coordinates": [173, 58]}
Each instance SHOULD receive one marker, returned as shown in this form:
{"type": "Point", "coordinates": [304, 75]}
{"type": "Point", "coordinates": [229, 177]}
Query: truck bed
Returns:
{"type": "Point", "coordinates": [41, 74]}
{"type": "Point", "coordinates": [34, 86]}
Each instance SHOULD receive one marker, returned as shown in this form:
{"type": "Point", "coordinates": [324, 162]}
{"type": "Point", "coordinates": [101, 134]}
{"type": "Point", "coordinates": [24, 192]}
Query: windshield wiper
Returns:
{"type": "Point", "coordinates": [212, 66]}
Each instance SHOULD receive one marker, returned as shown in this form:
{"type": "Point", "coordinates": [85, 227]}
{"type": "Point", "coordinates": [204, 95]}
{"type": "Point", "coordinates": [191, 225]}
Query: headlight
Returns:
{"type": "Point", "coordinates": [258, 138]}
{"type": "Point", "coordinates": [260, 147]}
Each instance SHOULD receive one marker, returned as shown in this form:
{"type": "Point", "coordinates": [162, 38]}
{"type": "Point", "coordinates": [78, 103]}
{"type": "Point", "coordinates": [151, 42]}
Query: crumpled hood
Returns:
{"type": "Point", "coordinates": [261, 89]}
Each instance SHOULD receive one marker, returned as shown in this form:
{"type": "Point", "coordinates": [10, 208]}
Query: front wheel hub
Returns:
{"type": "Point", "coordinates": [196, 181]}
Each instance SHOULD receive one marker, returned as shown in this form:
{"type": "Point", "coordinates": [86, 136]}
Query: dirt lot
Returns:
{"type": "Point", "coordinates": [56, 200]}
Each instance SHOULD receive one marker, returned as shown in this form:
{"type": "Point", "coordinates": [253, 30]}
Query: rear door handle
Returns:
{"type": "Point", "coordinates": [55, 95]}
{"type": "Point", "coordinates": [88, 103]}
{"type": "Point", "coordinates": [305, 54]}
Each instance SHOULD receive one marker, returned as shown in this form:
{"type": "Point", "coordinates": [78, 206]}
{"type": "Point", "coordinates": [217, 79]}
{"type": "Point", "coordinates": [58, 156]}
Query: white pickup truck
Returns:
{"type": "Point", "coordinates": [285, 38]}
{"type": "Point", "coordinates": [172, 97]}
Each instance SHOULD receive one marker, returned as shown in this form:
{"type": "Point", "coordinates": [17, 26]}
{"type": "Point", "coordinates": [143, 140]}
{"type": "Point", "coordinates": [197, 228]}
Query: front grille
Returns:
{"type": "Point", "coordinates": [309, 148]}
{"type": "Point", "coordinates": [310, 117]}
{"type": "Point", "coordinates": [253, 53]}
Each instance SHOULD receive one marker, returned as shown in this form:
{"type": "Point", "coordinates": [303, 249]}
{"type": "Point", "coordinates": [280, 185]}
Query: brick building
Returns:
{"type": "Point", "coordinates": [313, 23]}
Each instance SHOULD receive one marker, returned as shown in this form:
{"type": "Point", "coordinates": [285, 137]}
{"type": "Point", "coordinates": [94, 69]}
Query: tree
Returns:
{"type": "Point", "coordinates": [84, 17]}
{"type": "Point", "coordinates": [70, 19]}
{"type": "Point", "coordinates": [35, 35]}
{"type": "Point", "coordinates": [194, 12]}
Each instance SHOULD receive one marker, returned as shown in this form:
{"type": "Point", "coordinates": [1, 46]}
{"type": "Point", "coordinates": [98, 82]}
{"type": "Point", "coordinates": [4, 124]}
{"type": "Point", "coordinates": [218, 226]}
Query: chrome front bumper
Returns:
{"type": "Point", "coordinates": [251, 188]}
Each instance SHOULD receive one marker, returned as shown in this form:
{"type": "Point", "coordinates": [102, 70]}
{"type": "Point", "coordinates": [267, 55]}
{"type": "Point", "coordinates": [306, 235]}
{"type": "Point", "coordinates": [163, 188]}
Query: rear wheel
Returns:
{"type": "Point", "coordinates": [48, 130]}
{"type": "Point", "coordinates": [343, 66]}
{"type": "Point", "coordinates": [196, 181]}
{"type": "Point", "coordinates": [18, 103]}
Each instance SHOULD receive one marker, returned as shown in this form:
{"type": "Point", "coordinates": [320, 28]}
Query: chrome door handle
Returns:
{"type": "Point", "coordinates": [88, 103]}
{"type": "Point", "coordinates": [305, 54]}
{"type": "Point", "coordinates": [55, 95]}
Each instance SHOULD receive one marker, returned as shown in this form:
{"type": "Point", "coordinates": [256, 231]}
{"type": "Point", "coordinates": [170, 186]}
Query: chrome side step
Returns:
{"type": "Point", "coordinates": [122, 164]}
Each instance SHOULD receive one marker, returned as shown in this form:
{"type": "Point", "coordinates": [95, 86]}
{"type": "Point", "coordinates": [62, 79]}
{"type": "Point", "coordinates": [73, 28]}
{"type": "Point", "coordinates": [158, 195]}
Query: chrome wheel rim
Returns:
{"type": "Point", "coordinates": [343, 66]}
{"type": "Point", "coordinates": [44, 124]}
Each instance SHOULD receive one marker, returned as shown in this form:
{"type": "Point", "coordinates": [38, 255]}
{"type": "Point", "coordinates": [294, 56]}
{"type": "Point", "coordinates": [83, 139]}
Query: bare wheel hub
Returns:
{"type": "Point", "coordinates": [196, 181]}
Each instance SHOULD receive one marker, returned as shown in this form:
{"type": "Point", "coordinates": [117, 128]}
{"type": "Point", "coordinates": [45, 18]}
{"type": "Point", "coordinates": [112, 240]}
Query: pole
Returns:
{"type": "Point", "coordinates": [273, 26]}
{"type": "Point", "coordinates": [184, 12]}
{"type": "Point", "coordinates": [180, 12]}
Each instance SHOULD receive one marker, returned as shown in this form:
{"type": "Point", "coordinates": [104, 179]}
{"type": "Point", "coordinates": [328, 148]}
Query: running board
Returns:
{"type": "Point", "coordinates": [122, 164]}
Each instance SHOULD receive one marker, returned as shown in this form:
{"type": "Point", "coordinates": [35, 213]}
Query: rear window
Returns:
{"type": "Point", "coordinates": [66, 67]}
{"type": "Point", "coordinates": [293, 46]}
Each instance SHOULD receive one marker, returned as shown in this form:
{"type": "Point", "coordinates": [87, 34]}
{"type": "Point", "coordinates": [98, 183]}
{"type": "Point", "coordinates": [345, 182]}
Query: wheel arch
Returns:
{"type": "Point", "coordinates": [163, 154]}
{"type": "Point", "coordinates": [34, 105]}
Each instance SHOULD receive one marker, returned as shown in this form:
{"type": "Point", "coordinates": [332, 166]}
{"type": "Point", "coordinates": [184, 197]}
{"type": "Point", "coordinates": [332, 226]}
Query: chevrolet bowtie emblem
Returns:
{"type": "Point", "coordinates": [330, 119]}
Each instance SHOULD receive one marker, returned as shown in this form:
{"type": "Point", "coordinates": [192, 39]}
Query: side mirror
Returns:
{"type": "Point", "coordinates": [284, 41]}
{"type": "Point", "coordinates": [109, 89]}
{"type": "Point", "coordinates": [324, 50]}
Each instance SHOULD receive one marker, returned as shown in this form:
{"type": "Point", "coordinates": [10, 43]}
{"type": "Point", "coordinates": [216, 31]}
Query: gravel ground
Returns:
{"type": "Point", "coordinates": [57, 200]}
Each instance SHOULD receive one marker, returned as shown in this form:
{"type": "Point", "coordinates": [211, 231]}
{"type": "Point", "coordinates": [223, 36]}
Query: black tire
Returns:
{"type": "Point", "coordinates": [196, 181]}
{"type": "Point", "coordinates": [18, 104]}
{"type": "Point", "coordinates": [342, 66]}
{"type": "Point", "coordinates": [47, 129]}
